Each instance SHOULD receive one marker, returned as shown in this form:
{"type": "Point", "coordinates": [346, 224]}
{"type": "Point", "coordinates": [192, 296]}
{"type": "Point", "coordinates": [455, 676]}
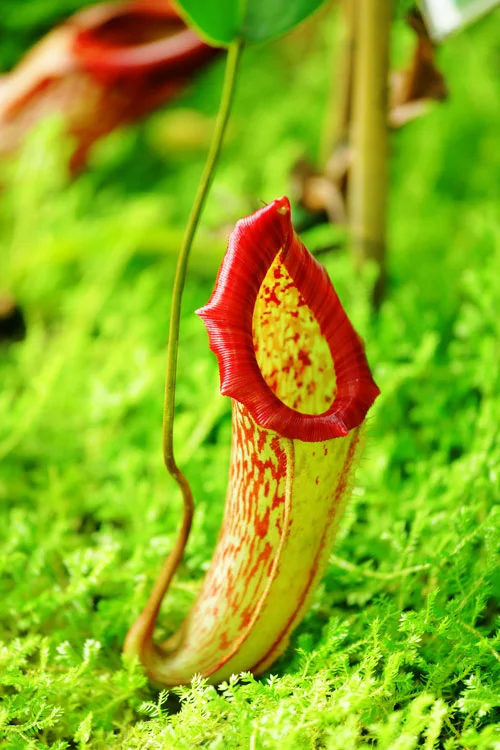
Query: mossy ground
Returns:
{"type": "Point", "coordinates": [400, 649]}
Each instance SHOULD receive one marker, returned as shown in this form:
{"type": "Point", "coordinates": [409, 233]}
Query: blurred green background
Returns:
{"type": "Point", "coordinates": [401, 647]}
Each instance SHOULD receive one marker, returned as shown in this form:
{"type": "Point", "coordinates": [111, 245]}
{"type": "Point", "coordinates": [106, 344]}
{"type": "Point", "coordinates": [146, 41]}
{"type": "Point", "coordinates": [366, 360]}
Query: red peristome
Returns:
{"type": "Point", "coordinates": [136, 39]}
{"type": "Point", "coordinates": [253, 245]}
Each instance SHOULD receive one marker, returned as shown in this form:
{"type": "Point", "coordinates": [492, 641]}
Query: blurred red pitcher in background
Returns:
{"type": "Point", "coordinates": [106, 66]}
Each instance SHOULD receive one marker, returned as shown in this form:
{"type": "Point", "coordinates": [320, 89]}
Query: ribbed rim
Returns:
{"type": "Point", "coordinates": [177, 53]}
{"type": "Point", "coordinates": [253, 245]}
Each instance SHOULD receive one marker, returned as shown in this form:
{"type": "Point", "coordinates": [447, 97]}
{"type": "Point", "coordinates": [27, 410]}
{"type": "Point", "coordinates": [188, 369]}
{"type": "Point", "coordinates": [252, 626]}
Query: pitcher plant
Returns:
{"type": "Point", "coordinates": [301, 387]}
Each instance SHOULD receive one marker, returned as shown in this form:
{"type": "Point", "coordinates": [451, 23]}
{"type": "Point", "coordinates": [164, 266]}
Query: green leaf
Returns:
{"type": "Point", "coordinates": [223, 21]}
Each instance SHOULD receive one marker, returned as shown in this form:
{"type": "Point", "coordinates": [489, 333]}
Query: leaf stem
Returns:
{"type": "Point", "coordinates": [233, 58]}
{"type": "Point", "coordinates": [139, 638]}
{"type": "Point", "coordinates": [368, 179]}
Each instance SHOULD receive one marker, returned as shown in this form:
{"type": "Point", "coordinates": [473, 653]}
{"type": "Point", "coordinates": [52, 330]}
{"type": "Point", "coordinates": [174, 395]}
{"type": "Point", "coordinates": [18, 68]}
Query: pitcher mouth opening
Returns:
{"type": "Point", "coordinates": [285, 346]}
{"type": "Point", "coordinates": [137, 40]}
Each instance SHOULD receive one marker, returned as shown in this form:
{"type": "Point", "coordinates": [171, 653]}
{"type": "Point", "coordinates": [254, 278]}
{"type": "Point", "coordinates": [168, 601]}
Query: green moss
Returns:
{"type": "Point", "coordinates": [400, 649]}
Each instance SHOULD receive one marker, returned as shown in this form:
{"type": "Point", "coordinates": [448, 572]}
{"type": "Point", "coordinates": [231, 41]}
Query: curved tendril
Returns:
{"type": "Point", "coordinates": [139, 640]}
